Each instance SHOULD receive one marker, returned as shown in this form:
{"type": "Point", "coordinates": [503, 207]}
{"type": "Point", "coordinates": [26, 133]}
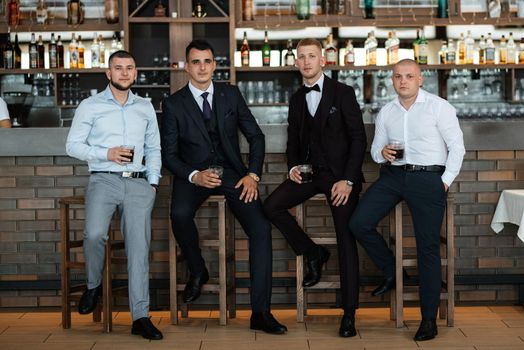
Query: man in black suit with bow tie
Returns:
{"type": "Point", "coordinates": [200, 128]}
{"type": "Point", "coordinates": [325, 130]}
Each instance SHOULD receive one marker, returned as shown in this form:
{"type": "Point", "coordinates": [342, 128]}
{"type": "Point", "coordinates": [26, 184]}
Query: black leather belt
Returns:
{"type": "Point", "coordinates": [133, 174]}
{"type": "Point", "coordinates": [429, 168]}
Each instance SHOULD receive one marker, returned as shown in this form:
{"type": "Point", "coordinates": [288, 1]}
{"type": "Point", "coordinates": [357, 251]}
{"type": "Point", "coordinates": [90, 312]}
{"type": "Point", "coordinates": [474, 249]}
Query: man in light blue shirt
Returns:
{"type": "Point", "coordinates": [113, 131]}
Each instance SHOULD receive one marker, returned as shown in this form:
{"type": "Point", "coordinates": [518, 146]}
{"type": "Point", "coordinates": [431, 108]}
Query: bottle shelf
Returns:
{"type": "Point", "coordinates": [52, 70]}
{"type": "Point", "coordinates": [60, 25]}
{"type": "Point", "coordinates": [151, 86]}
{"type": "Point", "coordinates": [387, 67]}
{"type": "Point", "coordinates": [281, 22]}
{"type": "Point", "coordinates": [152, 20]}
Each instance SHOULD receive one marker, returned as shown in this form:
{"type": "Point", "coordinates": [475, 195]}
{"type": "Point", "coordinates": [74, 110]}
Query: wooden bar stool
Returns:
{"type": "Point", "coordinates": [71, 294]}
{"type": "Point", "coordinates": [327, 282]}
{"type": "Point", "coordinates": [225, 286]}
{"type": "Point", "coordinates": [447, 247]}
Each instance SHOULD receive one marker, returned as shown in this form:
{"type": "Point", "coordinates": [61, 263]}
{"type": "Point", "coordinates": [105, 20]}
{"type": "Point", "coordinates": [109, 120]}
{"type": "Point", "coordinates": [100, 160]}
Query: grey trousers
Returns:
{"type": "Point", "coordinates": [134, 198]}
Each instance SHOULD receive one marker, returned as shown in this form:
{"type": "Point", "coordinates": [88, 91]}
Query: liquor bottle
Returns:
{"type": "Point", "coordinates": [442, 9]}
{"type": "Point", "coordinates": [247, 10]}
{"type": "Point", "coordinates": [392, 47]}
{"type": "Point", "coordinates": [41, 52]}
{"type": "Point", "coordinates": [41, 12]}
{"type": "Point", "coordinates": [244, 51]}
{"type": "Point", "coordinates": [331, 51]}
{"type": "Point", "coordinates": [490, 50]}
{"type": "Point", "coordinates": [368, 9]}
{"type": "Point", "coordinates": [349, 56]}
{"type": "Point", "coordinates": [329, 7]}
{"type": "Point", "coordinates": [423, 49]}
{"type": "Point", "coordinates": [370, 45]}
{"type": "Point", "coordinates": [482, 50]}
{"type": "Point", "coordinates": [95, 52]}
{"type": "Point", "coordinates": [266, 51]}
{"type": "Point", "coordinates": [521, 51]}
{"type": "Point", "coordinates": [119, 45]}
{"type": "Point", "coordinates": [13, 13]}
{"type": "Point", "coordinates": [160, 9]}
{"type": "Point", "coordinates": [8, 53]}
{"type": "Point", "coordinates": [461, 49]}
{"type": "Point", "coordinates": [289, 58]}
{"type": "Point", "coordinates": [416, 46]}
{"type": "Point", "coordinates": [102, 57]}
{"type": "Point", "coordinates": [451, 54]}
{"type": "Point", "coordinates": [53, 52]}
{"type": "Point", "coordinates": [442, 52]}
{"type": "Point", "coordinates": [503, 50]}
{"type": "Point", "coordinates": [60, 52]}
{"type": "Point", "coordinates": [73, 53]}
{"type": "Point", "coordinates": [470, 48]}
{"type": "Point", "coordinates": [111, 11]}
{"type": "Point", "coordinates": [17, 54]}
{"type": "Point", "coordinates": [75, 12]}
{"type": "Point", "coordinates": [512, 49]}
{"type": "Point", "coordinates": [81, 53]}
{"type": "Point", "coordinates": [33, 52]}
{"type": "Point", "coordinates": [302, 9]}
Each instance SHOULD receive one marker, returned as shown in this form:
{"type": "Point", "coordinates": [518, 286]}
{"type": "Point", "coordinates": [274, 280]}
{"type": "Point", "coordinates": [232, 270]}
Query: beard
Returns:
{"type": "Point", "coordinates": [119, 86]}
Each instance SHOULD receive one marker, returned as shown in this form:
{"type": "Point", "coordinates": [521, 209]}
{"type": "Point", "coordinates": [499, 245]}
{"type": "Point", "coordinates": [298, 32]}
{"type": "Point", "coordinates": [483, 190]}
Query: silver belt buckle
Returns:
{"type": "Point", "coordinates": [127, 173]}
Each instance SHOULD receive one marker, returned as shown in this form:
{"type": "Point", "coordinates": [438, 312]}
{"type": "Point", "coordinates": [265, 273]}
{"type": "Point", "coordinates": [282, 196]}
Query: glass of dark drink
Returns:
{"type": "Point", "coordinates": [398, 147]}
{"type": "Point", "coordinates": [217, 169]}
{"type": "Point", "coordinates": [306, 173]}
{"type": "Point", "coordinates": [131, 149]}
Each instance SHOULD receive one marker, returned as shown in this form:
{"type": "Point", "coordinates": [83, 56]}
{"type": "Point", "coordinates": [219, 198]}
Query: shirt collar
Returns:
{"type": "Point", "coordinates": [196, 92]}
{"type": "Point", "coordinates": [320, 83]}
{"type": "Point", "coordinates": [108, 95]}
{"type": "Point", "coordinates": [421, 98]}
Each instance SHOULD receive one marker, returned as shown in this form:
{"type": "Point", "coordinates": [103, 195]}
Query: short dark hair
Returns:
{"type": "Point", "coordinates": [200, 45]}
{"type": "Point", "coordinates": [120, 54]}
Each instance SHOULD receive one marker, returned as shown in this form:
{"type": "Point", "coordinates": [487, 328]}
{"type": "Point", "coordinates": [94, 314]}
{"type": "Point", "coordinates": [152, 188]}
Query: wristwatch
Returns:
{"type": "Point", "coordinates": [349, 183]}
{"type": "Point", "coordinates": [254, 176]}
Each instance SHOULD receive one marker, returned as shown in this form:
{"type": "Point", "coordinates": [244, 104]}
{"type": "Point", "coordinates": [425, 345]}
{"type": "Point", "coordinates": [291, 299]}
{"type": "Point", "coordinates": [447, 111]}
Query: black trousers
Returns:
{"type": "Point", "coordinates": [288, 195]}
{"type": "Point", "coordinates": [187, 198]}
{"type": "Point", "coordinates": [426, 199]}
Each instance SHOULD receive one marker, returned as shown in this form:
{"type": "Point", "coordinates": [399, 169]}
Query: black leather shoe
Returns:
{"type": "Point", "coordinates": [387, 284]}
{"type": "Point", "coordinates": [89, 300]}
{"type": "Point", "coordinates": [427, 330]}
{"type": "Point", "coordinates": [264, 321]}
{"type": "Point", "coordinates": [314, 263]}
{"type": "Point", "coordinates": [347, 326]}
{"type": "Point", "coordinates": [145, 328]}
{"type": "Point", "coordinates": [194, 286]}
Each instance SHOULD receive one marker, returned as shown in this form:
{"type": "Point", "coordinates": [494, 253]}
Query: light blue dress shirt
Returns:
{"type": "Point", "coordinates": [101, 123]}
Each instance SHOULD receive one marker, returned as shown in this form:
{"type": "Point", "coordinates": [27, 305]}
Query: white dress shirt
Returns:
{"type": "Point", "coordinates": [197, 95]}
{"type": "Point", "coordinates": [313, 97]}
{"type": "Point", "coordinates": [430, 131]}
{"type": "Point", "coordinates": [4, 113]}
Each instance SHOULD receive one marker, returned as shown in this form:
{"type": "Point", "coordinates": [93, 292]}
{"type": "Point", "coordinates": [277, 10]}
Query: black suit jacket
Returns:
{"type": "Point", "coordinates": [342, 134]}
{"type": "Point", "coordinates": [186, 144]}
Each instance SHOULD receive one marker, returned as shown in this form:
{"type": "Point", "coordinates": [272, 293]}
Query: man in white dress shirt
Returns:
{"type": "Point", "coordinates": [5, 122]}
{"type": "Point", "coordinates": [434, 149]}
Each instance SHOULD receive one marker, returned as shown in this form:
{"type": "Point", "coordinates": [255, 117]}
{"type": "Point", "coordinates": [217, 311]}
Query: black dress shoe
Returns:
{"type": "Point", "coordinates": [89, 300]}
{"type": "Point", "coordinates": [145, 328]}
{"type": "Point", "coordinates": [264, 321]}
{"type": "Point", "coordinates": [427, 330]}
{"type": "Point", "coordinates": [388, 284]}
{"type": "Point", "coordinates": [194, 286]}
{"type": "Point", "coordinates": [315, 260]}
{"type": "Point", "coordinates": [347, 326]}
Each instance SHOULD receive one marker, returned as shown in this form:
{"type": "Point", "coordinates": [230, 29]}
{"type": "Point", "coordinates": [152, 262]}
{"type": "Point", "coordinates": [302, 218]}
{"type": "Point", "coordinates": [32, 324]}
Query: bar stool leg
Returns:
{"type": "Point", "coordinates": [301, 294]}
{"type": "Point", "coordinates": [222, 263]}
{"type": "Point", "coordinates": [450, 255]}
{"type": "Point", "coordinates": [64, 237]}
{"type": "Point", "coordinates": [230, 249]}
{"type": "Point", "coordinates": [399, 292]}
{"type": "Point", "coordinates": [107, 287]}
{"type": "Point", "coordinates": [173, 300]}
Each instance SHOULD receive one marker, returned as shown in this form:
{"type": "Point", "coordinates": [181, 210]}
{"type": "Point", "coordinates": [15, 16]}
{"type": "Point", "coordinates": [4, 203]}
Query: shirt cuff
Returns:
{"type": "Point", "coordinates": [191, 175]}
{"type": "Point", "coordinates": [153, 179]}
{"type": "Point", "coordinates": [447, 178]}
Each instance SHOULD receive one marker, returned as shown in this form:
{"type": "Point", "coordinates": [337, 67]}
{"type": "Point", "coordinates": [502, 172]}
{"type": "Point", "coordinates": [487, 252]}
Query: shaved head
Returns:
{"type": "Point", "coordinates": [407, 62]}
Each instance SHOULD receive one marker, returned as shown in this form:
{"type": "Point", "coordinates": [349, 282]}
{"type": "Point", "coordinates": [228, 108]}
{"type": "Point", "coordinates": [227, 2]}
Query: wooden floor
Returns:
{"type": "Point", "coordinates": [477, 328]}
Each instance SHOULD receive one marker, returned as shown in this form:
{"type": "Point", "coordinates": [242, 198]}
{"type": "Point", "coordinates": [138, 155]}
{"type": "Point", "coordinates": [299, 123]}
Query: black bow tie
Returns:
{"type": "Point", "coordinates": [309, 89]}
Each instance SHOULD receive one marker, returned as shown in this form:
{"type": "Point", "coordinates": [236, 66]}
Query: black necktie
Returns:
{"type": "Point", "coordinates": [309, 89]}
{"type": "Point", "coordinates": [206, 108]}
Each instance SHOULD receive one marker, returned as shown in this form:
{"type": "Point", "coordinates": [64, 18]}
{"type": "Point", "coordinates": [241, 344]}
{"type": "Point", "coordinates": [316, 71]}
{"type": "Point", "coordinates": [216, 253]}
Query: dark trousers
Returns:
{"type": "Point", "coordinates": [187, 198]}
{"type": "Point", "coordinates": [425, 197]}
{"type": "Point", "coordinates": [288, 195]}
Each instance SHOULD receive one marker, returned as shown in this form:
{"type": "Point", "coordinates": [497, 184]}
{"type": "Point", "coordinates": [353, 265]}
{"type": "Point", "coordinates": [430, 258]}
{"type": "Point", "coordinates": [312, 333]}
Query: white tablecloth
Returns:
{"type": "Point", "coordinates": [510, 208]}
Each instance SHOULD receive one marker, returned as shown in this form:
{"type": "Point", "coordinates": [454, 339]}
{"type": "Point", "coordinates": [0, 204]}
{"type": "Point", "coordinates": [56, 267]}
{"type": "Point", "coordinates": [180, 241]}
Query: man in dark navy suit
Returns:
{"type": "Point", "coordinates": [200, 128]}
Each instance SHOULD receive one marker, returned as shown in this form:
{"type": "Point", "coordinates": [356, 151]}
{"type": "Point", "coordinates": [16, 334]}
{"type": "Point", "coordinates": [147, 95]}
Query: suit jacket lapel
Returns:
{"type": "Point", "coordinates": [328, 96]}
{"type": "Point", "coordinates": [194, 112]}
